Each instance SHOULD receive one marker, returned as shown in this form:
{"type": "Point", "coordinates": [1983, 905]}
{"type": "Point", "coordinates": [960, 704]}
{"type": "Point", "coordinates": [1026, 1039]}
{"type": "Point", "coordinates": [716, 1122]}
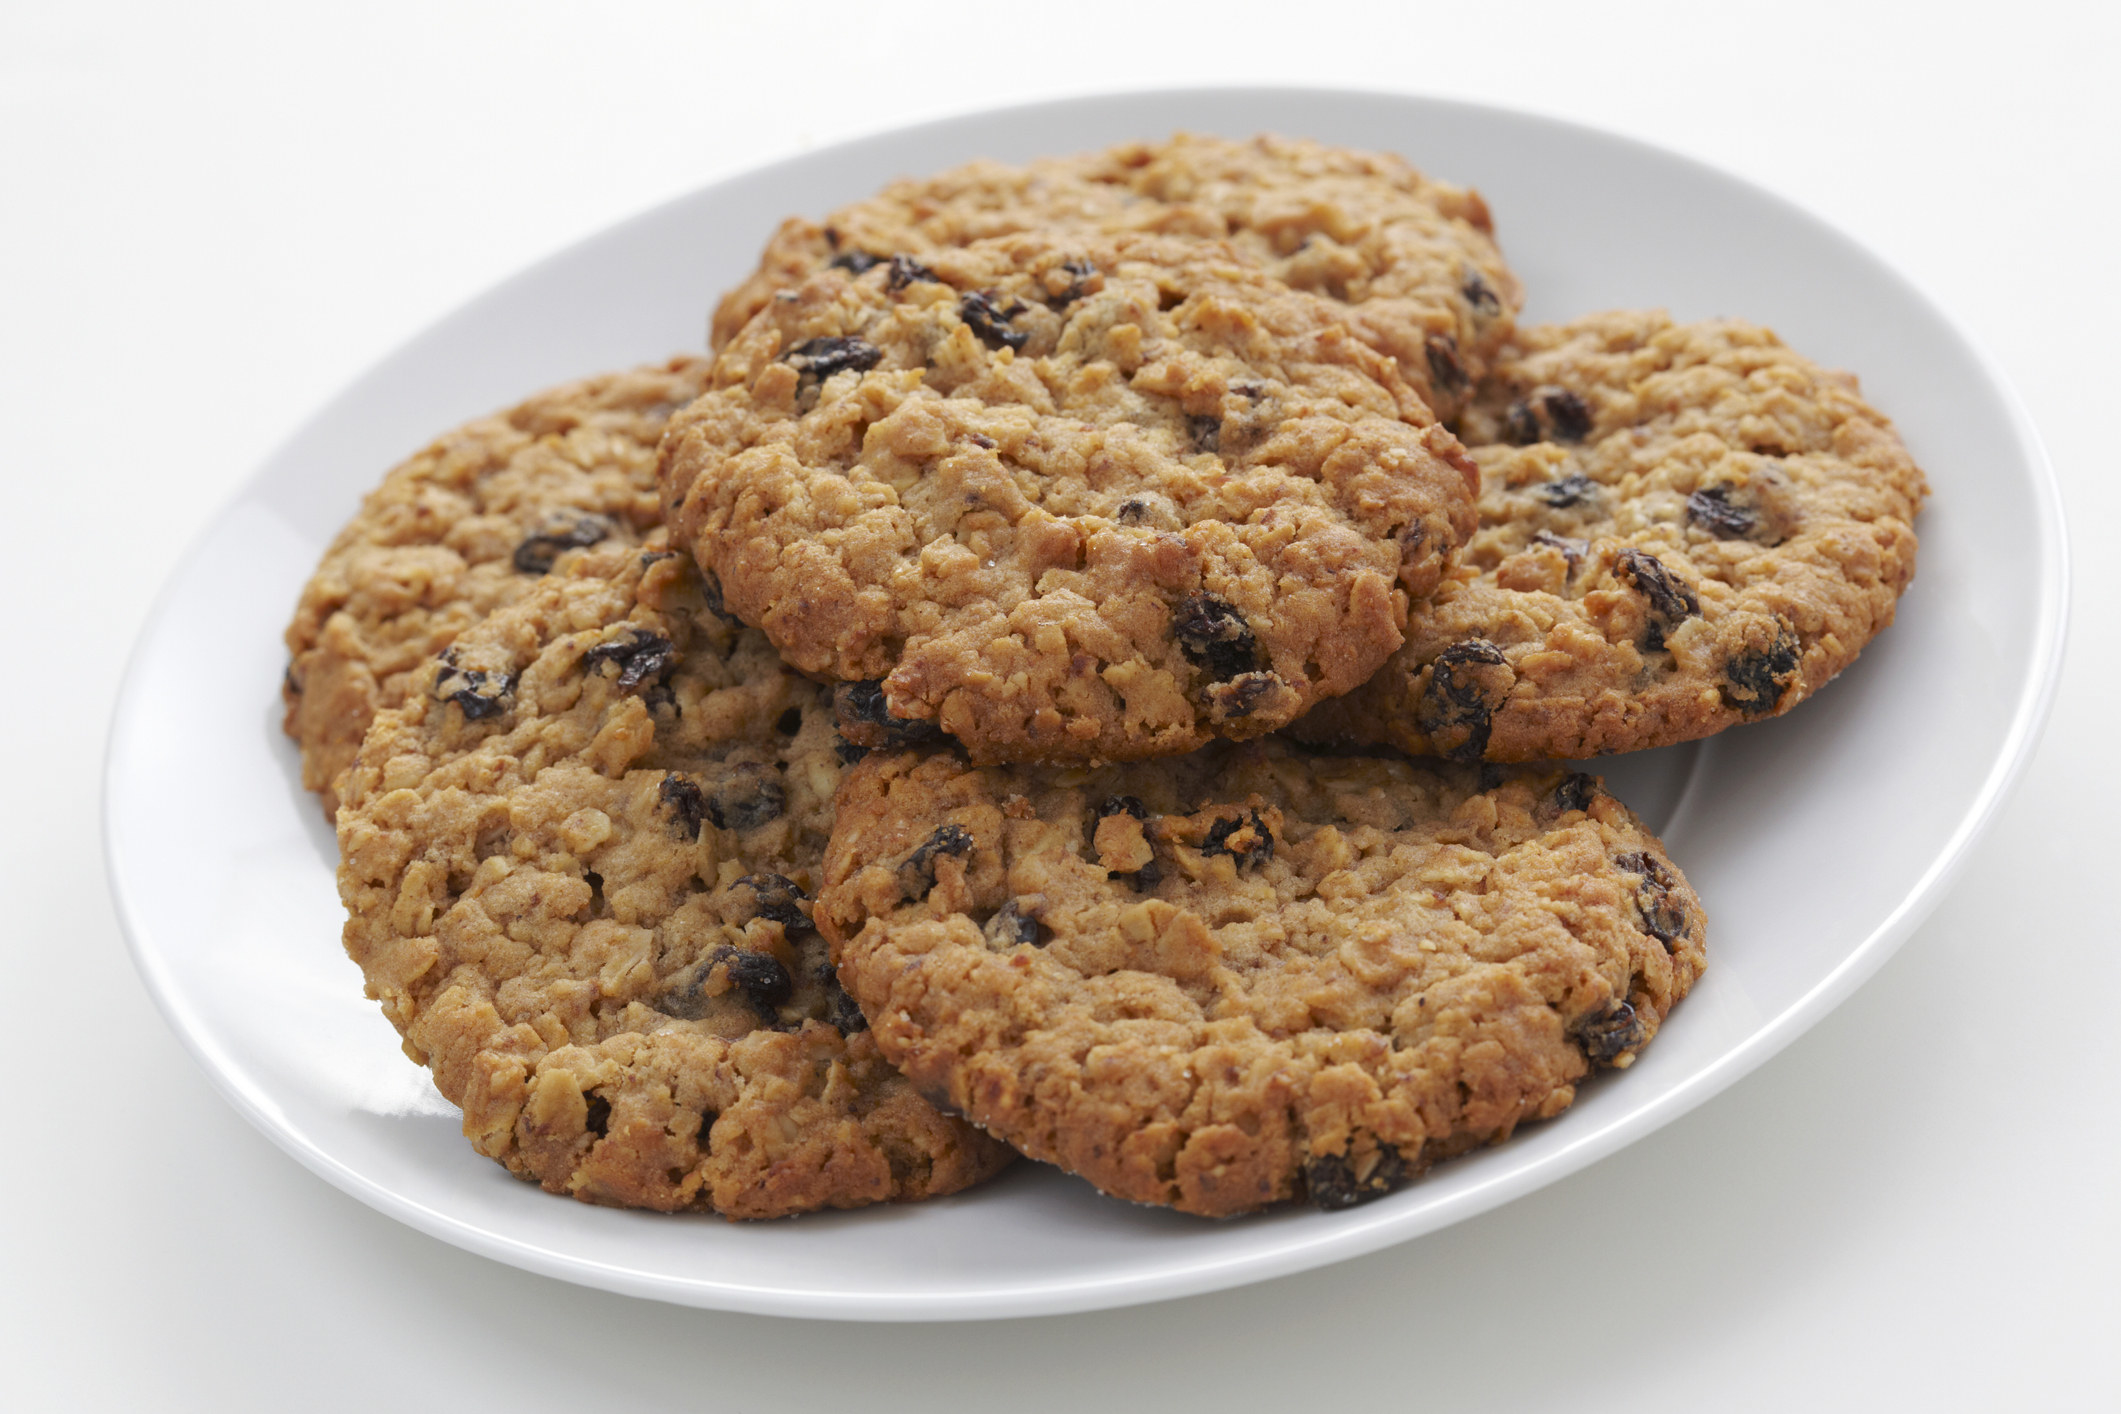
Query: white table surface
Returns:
{"type": "Point", "coordinates": [213, 215]}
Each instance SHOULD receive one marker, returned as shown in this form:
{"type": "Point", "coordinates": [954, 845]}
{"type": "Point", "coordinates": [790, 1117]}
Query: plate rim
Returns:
{"type": "Point", "coordinates": [2012, 756]}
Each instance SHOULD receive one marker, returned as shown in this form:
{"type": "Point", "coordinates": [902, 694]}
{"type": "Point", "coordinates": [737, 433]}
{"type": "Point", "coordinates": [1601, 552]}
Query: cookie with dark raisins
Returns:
{"type": "Point", "coordinates": [1066, 497]}
{"type": "Point", "coordinates": [578, 863]}
{"type": "Point", "coordinates": [1683, 527]}
{"type": "Point", "coordinates": [1255, 973]}
{"type": "Point", "coordinates": [468, 525]}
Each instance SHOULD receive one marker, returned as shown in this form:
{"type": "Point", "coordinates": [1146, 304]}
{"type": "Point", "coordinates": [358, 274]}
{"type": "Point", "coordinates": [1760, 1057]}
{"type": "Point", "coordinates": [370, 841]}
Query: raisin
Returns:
{"type": "Point", "coordinates": [1711, 509]}
{"type": "Point", "coordinates": [478, 694]}
{"type": "Point", "coordinates": [1639, 862]}
{"type": "Point", "coordinates": [905, 270]}
{"type": "Point", "coordinates": [598, 1120]}
{"type": "Point", "coordinates": [840, 1009]}
{"type": "Point", "coordinates": [686, 802]}
{"type": "Point", "coordinates": [778, 899]}
{"type": "Point", "coordinates": [864, 718]}
{"type": "Point", "coordinates": [1332, 1183]}
{"type": "Point", "coordinates": [1571, 550]}
{"type": "Point", "coordinates": [1447, 371]}
{"type": "Point", "coordinates": [1206, 432]}
{"type": "Point", "coordinates": [711, 591]}
{"type": "Point", "coordinates": [1077, 271]}
{"type": "Point", "coordinates": [861, 702]}
{"type": "Point", "coordinates": [1664, 916]}
{"type": "Point", "coordinates": [1574, 792]}
{"type": "Point", "coordinates": [1411, 540]}
{"type": "Point", "coordinates": [685, 996]}
{"type": "Point", "coordinates": [1146, 508]}
{"type": "Point", "coordinates": [1755, 680]}
{"type": "Point", "coordinates": [985, 314]}
{"type": "Point", "coordinates": [1568, 491]}
{"type": "Point", "coordinates": [1215, 637]}
{"type": "Point", "coordinates": [856, 262]}
{"type": "Point", "coordinates": [1145, 878]}
{"type": "Point", "coordinates": [819, 359]}
{"type": "Point", "coordinates": [564, 531]}
{"type": "Point", "coordinates": [1458, 699]}
{"type": "Point", "coordinates": [1547, 414]}
{"type": "Point", "coordinates": [1520, 426]}
{"type": "Point", "coordinates": [1569, 415]}
{"type": "Point", "coordinates": [1132, 808]}
{"type": "Point", "coordinates": [846, 750]}
{"type": "Point", "coordinates": [1240, 696]}
{"type": "Point", "coordinates": [760, 976]}
{"type": "Point", "coordinates": [917, 875]}
{"type": "Point", "coordinates": [748, 796]}
{"type": "Point", "coordinates": [1610, 1034]}
{"type": "Point", "coordinates": [1244, 838]}
{"type": "Point", "coordinates": [1671, 599]}
{"type": "Point", "coordinates": [639, 654]}
{"type": "Point", "coordinates": [1119, 805]}
{"type": "Point", "coordinates": [1479, 293]}
{"type": "Point", "coordinates": [1011, 925]}
{"type": "Point", "coordinates": [981, 439]}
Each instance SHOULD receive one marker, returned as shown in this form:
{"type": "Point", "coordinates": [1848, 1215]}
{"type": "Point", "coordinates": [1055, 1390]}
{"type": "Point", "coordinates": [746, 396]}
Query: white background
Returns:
{"type": "Point", "coordinates": [213, 215]}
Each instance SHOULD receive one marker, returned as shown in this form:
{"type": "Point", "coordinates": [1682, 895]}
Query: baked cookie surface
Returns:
{"type": "Point", "coordinates": [1067, 498]}
{"type": "Point", "coordinates": [1412, 261]}
{"type": "Point", "coordinates": [461, 529]}
{"type": "Point", "coordinates": [1253, 973]}
{"type": "Point", "coordinates": [1682, 527]}
{"type": "Point", "coordinates": [577, 864]}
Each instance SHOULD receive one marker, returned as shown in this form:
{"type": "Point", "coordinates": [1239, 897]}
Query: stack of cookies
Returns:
{"type": "Point", "coordinates": [1086, 669]}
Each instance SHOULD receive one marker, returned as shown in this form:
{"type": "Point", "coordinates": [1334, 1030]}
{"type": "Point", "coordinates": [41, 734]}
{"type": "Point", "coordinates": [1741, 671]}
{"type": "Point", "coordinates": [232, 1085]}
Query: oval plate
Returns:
{"type": "Point", "coordinates": [1818, 840]}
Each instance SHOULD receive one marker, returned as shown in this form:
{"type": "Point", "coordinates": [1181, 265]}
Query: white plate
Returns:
{"type": "Point", "coordinates": [1818, 841]}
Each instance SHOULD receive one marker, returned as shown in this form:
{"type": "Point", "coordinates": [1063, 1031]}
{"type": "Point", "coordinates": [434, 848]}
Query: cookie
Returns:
{"type": "Point", "coordinates": [1067, 498]}
{"type": "Point", "coordinates": [463, 528]}
{"type": "Point", "coordinates": [1682, 527]}
{"type": "Point", "coordinates": [577, 863]}
{"type": "Point", "coordinates": [1254, 973]}
{"type": "Point", "coordinates": [1412, 262]}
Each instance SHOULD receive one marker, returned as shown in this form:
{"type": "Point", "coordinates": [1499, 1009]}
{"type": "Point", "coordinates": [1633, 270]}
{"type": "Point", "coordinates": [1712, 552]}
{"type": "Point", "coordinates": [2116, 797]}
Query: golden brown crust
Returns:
{"type": "Point", "coordinates": [576, 863]}
{"type": "Point", "coordinates": [1068, 498]}
{"type": "Point", "coordinates": [1252, 973]}
{"type": "Point", "coordinates": [1411, 261]}
{"type": "Point", "coordinates": [461, 529]}
{"type": "Point", "coordinates": [1683, 527]}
